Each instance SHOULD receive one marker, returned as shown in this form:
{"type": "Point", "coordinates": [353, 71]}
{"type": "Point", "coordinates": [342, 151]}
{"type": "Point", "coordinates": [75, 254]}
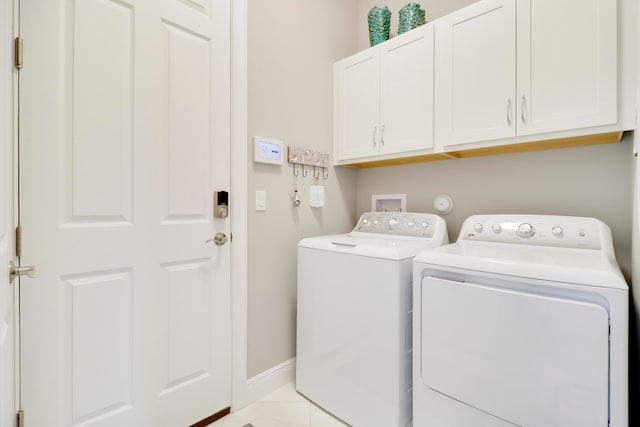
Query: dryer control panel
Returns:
{"type": "Point", "coordinates": [409, 224]}
{"type": "Point", "coordinates": [541, 230]}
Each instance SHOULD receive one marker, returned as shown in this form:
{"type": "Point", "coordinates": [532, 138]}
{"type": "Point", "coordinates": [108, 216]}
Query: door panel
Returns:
{"type": "Point", "coordinates": [567, 64]}
{"type": "Point", "coordinates": [406, 92]}
{"type": "Point", "coordinates": [188, 123]}
{"type": "Point", "coordinates": [357, 105]}
{"type": "Point", "coordinates": [476, 73]}
{"type": "Point", "coordinates": [100, 327]}
{"type": "Point", "coordinates": [125, 112]}
{"type": "Point", "coordinates": [99, 150]}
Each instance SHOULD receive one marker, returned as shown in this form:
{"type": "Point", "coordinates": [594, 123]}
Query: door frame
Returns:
{"type": "Point", "coordinates": [8, 117]}
{"type": "Point", "coordinates": [239, 184]}
{"type": "Point", "coordinates": [239, 199]}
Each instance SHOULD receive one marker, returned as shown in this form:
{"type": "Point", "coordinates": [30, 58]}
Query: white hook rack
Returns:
{"type": "Point", "coordinates": [306, 156]}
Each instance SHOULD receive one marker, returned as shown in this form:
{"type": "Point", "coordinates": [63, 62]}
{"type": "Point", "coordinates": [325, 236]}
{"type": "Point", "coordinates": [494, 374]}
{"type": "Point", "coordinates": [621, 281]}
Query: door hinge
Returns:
{"type": "Point", "coordinates": [19, 241]}
{"type": "Point", "coordinates": [18, 48]}
{"type": "Point", "coordinates": [20, 418]}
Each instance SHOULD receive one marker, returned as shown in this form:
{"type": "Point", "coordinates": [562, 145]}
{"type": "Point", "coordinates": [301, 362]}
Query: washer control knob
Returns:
{"type": "Point", "coordinates": [478, 227]}
{"type": "Point", "coordinates": [411, 224]}
{"type": "Point", "coordinates": [393, 223]}
{"type": "Point", "coordinates": [376, 222]}
{"type": "Point", "coordinates": [497, 228]}
{"type": "Point", "coordinates": [366, 222]}
{"type": "Point", "coordinates": [557, 231]}
{"type": "Point", "coordinates": [425, 225]}
{"type": "Point", "coordinates": [525, 230]}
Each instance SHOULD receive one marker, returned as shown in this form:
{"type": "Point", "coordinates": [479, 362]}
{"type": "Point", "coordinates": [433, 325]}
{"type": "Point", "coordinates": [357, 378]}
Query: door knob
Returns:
{"type": "Point", "coordinates": [29, 271]}
{"type": "Point", "coordinates": [219, 239]}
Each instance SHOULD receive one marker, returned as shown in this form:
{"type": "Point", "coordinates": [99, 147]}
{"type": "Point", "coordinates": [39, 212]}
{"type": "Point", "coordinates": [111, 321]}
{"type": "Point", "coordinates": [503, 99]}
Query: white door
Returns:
{"type": "Point", "coordinates": [406, 92]}
{"type": "Point", "coordinates": [124, 137]}
{"type": "Point", "coordinates": [476, 73]}
{"type": "Point", "coordinates": [357, 105]}
{"type": "Point", "coordinates": [567, 64]}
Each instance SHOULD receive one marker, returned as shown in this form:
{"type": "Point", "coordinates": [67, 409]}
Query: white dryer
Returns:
{"type": "Point", "coordinates": [521, 322]}
{"type": "Point", "coordinates": [354, 317]}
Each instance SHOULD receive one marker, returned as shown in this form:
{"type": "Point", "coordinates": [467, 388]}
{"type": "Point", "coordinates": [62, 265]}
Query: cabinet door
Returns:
{"type": "Point", "coordinates": [406, 92]}
{"type": "Point", "coordinates": [475, 73]}
{"type": "Point", "coordinates": [567, 64]}
{"type": "Point", "coordinates": [357, 95]}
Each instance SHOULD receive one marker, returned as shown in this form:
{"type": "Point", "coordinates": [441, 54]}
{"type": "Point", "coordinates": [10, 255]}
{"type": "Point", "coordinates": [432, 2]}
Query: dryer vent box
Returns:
{"type": "Point", "coordinates": [388, 203]}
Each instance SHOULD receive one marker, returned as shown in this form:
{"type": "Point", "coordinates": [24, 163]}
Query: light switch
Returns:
{"type": "Point", "coordinates": [261, 200]}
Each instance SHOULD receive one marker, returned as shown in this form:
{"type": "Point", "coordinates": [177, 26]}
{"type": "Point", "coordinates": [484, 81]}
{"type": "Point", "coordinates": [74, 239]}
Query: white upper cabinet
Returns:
{"type": "Point", "coordinates": [567, 64]}
{"type": "Point", "coordinates": [507, 68]}
{"type": "Point", "coordinates": [406, 92]}
{"type": "Point", "coordinates": [384, 98]}
{"type": "Point", "coordinates": [357, 105]}
{"type": "Point", "coordinates": [476, 73]}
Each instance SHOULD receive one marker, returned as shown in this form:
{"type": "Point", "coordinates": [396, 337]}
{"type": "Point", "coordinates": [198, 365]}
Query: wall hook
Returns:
{"type": "Point", "coordinates": [316, 174]}
{"type": "Point", "coordinates": [296, 172]}
{"type": "Point", "coordinates": [325, 175]}
{"type": "Point", "coordinates": [304, 172]}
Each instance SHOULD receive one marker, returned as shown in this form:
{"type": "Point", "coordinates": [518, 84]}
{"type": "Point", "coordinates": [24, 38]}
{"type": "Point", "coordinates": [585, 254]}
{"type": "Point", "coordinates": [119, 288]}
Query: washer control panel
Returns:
{"type": "Point", "coordinates": [399, 223]}
{"type": "Point", "coordinates": [543, 230]}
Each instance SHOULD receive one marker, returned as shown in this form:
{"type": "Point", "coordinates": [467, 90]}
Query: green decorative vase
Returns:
{"type": "Point", "coordinates": [411, 16]}
{"type": "Point", "coordinates": [379, 24]}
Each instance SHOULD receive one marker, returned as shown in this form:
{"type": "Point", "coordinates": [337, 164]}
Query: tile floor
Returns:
{"type": "Point", "coordinates": [282, 408]}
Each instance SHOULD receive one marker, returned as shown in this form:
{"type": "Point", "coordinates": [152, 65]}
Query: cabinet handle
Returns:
{"type": "Point", "coordinates": [382, 135]}
{"type": "Point", "coordinates": [374, 135]}
{"type": "Point", "coordinates": [522, 108]}
{"type": "Point", "coordinates": [509, 112]}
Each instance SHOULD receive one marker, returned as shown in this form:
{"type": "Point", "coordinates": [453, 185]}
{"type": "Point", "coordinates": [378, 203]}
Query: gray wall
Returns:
{"type": "Point", "coordinates": [292, 45]}
{"type": "Point", "coordinates": [584, 181]}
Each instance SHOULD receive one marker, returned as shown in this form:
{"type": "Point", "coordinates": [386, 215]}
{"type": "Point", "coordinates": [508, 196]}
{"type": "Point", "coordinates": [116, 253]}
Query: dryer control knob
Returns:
{"type": "Point", "coordinates": [496, 228]}
{"type": "Point", "coordinates": [525, 230]}
{"type": "Point", "coordinates": [478, 227]}
{"type": "Point", "coordinates": [393, 223]}
{"type": "Point", "coordinates": [557, 231]}
{"type": "Point", "coordinates": [425, 225]}
{"type": "Point", "coordinates": [411, 224]}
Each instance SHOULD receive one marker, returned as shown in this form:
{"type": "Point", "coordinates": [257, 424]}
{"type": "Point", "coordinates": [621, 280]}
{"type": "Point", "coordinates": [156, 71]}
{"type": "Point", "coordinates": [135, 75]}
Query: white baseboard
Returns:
{"type": "Point", "coordinates": [270, 380]}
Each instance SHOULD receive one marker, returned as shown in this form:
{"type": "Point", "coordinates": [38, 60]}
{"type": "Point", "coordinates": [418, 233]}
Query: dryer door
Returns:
{"type": "Point", "coordinates": [528, 358]}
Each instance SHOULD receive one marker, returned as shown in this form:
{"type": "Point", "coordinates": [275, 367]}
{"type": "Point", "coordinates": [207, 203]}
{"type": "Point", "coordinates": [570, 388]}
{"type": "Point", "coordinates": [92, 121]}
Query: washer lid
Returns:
{"type": "Point", "coordinates": [569, 265]}
{"type": "Point", "coordinates": [380, 246]}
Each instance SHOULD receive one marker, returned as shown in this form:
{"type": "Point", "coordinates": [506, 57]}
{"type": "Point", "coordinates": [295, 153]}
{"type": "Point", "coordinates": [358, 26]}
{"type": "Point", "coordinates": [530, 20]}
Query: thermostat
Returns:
{"type": "Point", "coordinates": [266, 150]}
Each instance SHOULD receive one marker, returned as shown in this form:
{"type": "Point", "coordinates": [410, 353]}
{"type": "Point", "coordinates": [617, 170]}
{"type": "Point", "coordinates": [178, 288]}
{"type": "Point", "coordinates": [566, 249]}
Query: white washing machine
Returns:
{"type": "Point", "coordinates": [354, 317]}
{"type": "Point", "coordinates": [521, 322]}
